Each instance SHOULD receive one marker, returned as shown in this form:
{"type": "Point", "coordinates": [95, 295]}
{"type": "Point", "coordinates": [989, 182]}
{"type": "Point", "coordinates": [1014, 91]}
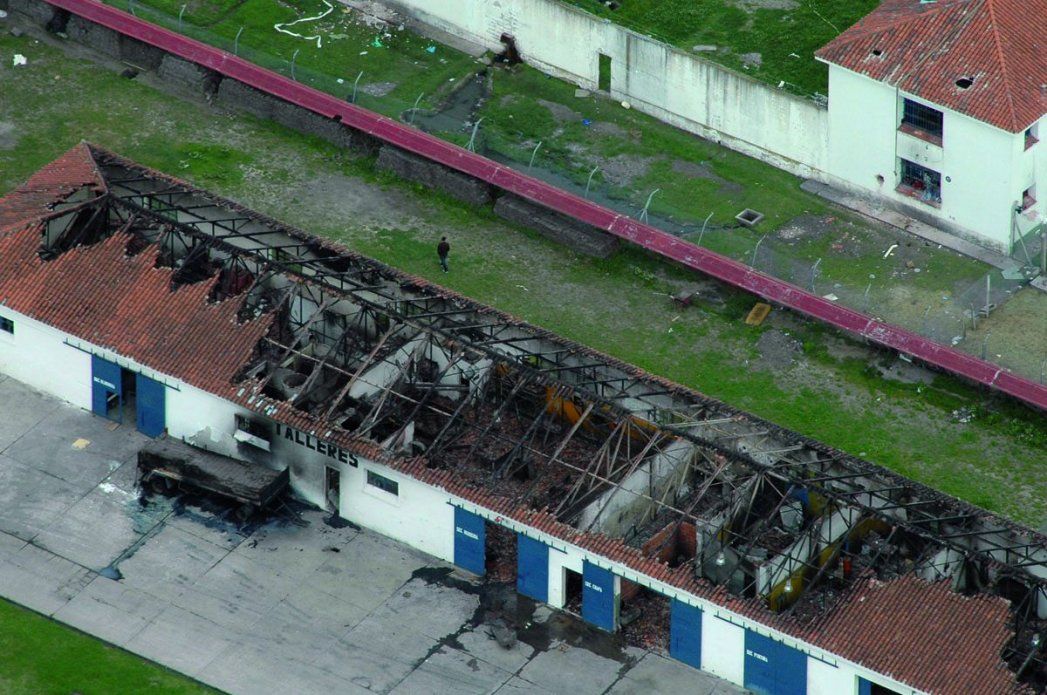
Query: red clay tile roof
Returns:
{"type": "Point", "coordinates": [924, 48]}
{"type": "Point", "coordinates": [917, 633]}
{"type": "Point", "coordinates": [124, 303]}
{"type": "Point", "coordinates": [960, 637]}
{"type": "Point", "coordinates": [51, 184]}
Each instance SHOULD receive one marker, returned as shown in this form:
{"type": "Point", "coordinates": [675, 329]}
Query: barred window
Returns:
{"type": "Point", "coordinates": [921, 182]}
{"type": "Point", "coordinates": [922, 118]}
{"type": "Point", "coordinates": [7, 325]}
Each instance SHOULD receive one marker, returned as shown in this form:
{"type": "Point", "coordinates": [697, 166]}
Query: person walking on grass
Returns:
{"type": "Point", "coordinates": [442, 249]}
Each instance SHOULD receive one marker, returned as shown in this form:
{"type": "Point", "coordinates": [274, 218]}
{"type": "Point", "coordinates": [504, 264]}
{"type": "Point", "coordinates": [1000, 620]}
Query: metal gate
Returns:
{"type": "Point", "coordinates": [151, 406]}
{"type": "Point", "coordinates": [772, 668]}
{"type": "Point", "coordinates": [685, 633]}
{"type": "Point", "coordinates": [468, 541]}
{"type": "Point", "coordinates": [599, 603]}
{"type": "Point", "coordinates": [532, 568]}
{"type": "Point", "coordinates": [105, 388]}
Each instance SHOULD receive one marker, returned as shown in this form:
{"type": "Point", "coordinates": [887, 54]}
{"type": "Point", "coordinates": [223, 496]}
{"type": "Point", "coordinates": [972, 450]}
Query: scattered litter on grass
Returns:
{"type": "Point", "coordinates": [3, 15]}
{"type": "Point", "coordinates": [963, 415]}
{"type": "Point", "coordinates": [430, 49]}
{"type": "Point", "coordinates": [19, 60]}
{"type": "Point", "coordinates": [318, 39]}
{"type": "Point", "coordinates": [523, 288]}
{"type": "Point", "coordinates": [586, 122]}
{"type": "Point", "coordinates": [831, 297]}
{"type": "Point", "coordinates": [626, 105]}
{"type": "Point", "coordinates": [377, 43]}
{"type": "Point", "coordinates": [81, 444]}
{"type": "Point", "coordinates": [890, 250]}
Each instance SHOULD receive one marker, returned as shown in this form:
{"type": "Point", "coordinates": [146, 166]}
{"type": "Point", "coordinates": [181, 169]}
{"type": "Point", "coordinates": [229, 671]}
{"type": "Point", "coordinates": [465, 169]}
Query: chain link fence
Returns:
{"type": "Point", "coordinates": [956, 317]}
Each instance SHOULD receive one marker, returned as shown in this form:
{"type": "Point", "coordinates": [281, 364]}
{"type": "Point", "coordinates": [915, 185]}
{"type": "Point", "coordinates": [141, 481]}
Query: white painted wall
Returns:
{"type": "Point", "coordinates": [723, 648]}
{"type": "Point", "coordinates": [983, 168]}
{"type": "Point", "coordinates": [673, 85]}
{"type": "Point", "coordinates": [202, 419]}
{"type": "Point", "coordinates": [419, 516]}
{"type": "Point", "coordinates": [826, 679]}
{"type": "Point", "coordinates": [560, 560]}
{"type": "Point", "coordinates": [36, 355]}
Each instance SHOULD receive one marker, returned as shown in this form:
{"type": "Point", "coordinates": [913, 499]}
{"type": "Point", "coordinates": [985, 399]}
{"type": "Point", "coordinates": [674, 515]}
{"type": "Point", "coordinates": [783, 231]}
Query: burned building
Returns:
{"type": "Point", "coordinates": [740, 547]}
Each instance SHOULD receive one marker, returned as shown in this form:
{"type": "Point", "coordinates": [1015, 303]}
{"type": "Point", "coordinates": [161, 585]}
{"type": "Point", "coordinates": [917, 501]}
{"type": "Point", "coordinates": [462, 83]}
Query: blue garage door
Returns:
{"type": "Point", "coordinates": [685, 633]}
{"type": "Point", "coordinates": [771, 668]}
{"type": "Point", "coordinates": [468, 541]}
{"type": "Point", "coordinates": [598, 599]}
{"type": "Point", "coordinates": [105, 388]}
{"type": "Point", "coordinates": [151, 406]}
{"type": "Point", "coordinates": [532, 568]}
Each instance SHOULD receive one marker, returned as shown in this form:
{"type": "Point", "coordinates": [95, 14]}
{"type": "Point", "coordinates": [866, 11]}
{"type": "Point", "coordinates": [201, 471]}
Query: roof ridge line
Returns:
{"type": "Point", "coordinates": [994, 29]}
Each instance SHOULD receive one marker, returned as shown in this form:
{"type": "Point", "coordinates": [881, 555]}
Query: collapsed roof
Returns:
{"type": "Point", "coordinates": [661, 478]}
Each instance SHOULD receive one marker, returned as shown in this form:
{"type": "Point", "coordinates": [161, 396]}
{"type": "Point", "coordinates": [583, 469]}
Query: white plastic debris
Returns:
{"type": "Point", "coordinates": [626, 105]}
{"type": "Point", "coordinates": [3, 15]}
{"type": "Point", "coordinates": [890, 250]}
{"type": "Point", "coordinates": [20, 60]}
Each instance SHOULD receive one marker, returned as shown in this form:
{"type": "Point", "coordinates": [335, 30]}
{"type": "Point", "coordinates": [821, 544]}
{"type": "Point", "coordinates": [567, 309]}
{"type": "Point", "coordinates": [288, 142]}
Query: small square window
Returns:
{"type": "Point", "coordinates": [382, 483]}
{"type": "Point", "coordinates": [1032, 136]}
{"type": "Point", "coordinates": [7, 325]}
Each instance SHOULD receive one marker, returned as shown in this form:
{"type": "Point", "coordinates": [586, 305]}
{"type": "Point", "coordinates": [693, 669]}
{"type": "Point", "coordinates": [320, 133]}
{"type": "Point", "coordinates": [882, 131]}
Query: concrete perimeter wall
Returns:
{"type": "Point", "coordinates": [677, 87]}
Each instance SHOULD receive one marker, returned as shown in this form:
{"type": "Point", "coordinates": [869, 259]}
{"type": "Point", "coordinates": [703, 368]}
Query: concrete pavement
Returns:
{"type": "Point", "coordinates": [301, 603]}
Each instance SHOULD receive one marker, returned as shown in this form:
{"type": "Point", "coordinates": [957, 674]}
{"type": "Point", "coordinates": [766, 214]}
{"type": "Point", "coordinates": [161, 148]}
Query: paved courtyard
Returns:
{"type": "Point", "coordinates": [300, 603]}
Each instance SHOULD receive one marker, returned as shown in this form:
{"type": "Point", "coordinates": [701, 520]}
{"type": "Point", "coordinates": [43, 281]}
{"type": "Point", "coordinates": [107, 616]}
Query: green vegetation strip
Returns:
{"type": "Point", "coordinates": [784, 33]}
{"type": "Point", "coordinates": [41, 657]}
{"type": "Point", "coordinates": [990, 453]}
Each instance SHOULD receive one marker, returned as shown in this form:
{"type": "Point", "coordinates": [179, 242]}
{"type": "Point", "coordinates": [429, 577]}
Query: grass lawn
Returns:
{"type": "Point", "coordinates": [785, 33]}
{"type": "Point", "coordinates": [829, 389]}
{"type": "Point", "coordinates": [636, 154]}
{"type": "Point", "coordinates": [396, 66]}
{"type": "Point", "coordinates": [41, 657]}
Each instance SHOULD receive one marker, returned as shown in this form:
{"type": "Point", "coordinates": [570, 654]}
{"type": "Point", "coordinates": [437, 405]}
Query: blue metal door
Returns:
{"type": "Point", "coordinates": [105, 388]}
{"type": "Point", "coordinates": [532, 568]}
{"type": "Point", "coordinates": [772, 668]}
{"type": "Point", "coordinates": [151, 406]}
{"type": "Point", "coordinates": [599, 604]}
{"type": "Point", "coordinates": [685, 633]}
{"type": "Point", "coordinates": [468, 541]}
{"type": "Point", "coordinates": [864, 686]}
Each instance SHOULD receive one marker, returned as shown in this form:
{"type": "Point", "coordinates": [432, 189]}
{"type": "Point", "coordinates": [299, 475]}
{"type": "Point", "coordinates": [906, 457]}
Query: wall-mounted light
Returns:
{"type": "Point", "coordinates": [721, 559]}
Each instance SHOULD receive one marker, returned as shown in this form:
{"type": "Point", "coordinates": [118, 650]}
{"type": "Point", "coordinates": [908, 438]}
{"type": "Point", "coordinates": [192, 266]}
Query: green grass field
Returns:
{"type": "Point", "coordinates": [41, 657]}
{"type": "Point", "coordinates": [832, 393]}
{"type": "Point", "coordinates": [394, 66]}
{"type": "Point", "coordinates": [785, 33]}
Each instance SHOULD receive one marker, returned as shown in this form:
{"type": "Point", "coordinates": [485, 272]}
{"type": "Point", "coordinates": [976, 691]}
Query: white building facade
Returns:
{"type": "Point", "coordinates": [982, 179]}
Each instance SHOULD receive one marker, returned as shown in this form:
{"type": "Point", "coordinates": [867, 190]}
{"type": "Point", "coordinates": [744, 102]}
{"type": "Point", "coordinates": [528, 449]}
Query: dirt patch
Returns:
{"type": "Point", "coordinates": [8, 136]}
{"type": "Point", "coordinates": [778, 350]}
{"type": "Point", "coordinates": [905, 372]}
{"type": "Point", "coordinates": [378, 89]}
{"type": "Point", "coordinates": [562, 114]}
{"type": "Point", "coordinates": [695, 170]}
{"type": "Point", "coordinates": [625, 168]}
{"type": "Point", "coordinates": [610, 129]}
{"type": "Point", "coordinates": [751, 6]}
{"type": "Point", "coordinates": [806, 227]}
